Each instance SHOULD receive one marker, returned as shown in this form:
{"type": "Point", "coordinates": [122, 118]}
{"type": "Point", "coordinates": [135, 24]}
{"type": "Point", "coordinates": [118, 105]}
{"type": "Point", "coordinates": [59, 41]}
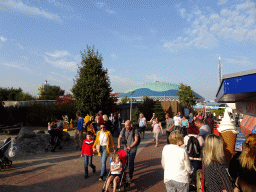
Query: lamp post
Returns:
{"type": "Point", "coordinates": [131, 92]}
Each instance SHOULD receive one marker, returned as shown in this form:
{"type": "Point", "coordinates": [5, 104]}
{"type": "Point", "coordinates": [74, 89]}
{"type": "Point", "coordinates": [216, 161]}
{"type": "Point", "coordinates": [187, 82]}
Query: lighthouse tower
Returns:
{"type": "Point", "coordinates": [41, 88]}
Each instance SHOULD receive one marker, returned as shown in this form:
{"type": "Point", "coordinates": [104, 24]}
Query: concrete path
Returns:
{"type": "Point", "coordinates": [63, 171]}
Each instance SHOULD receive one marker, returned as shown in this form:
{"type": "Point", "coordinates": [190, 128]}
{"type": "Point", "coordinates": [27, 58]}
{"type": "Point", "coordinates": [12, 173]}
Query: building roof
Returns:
{"type": "Point", "coordinates": [237, 87]}
{"type": "Point", "coordinates": [155, 89]}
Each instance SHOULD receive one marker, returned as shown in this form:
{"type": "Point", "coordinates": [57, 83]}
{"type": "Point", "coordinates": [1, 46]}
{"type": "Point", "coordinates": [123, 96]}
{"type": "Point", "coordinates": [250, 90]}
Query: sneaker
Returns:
{"type": "Point", "coordinates": [156, 145]}
{"type": "Point", "coordinates": [129, 180]}
{"type": "Point", "coordinates": [85, 177]}
{"type": "Point", "coordinates": [94, 169]}
{"type": "Point", "coordinates": [101, 179]}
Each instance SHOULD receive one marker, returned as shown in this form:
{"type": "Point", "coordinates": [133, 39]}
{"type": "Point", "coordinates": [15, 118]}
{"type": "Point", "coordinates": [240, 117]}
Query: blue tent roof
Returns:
{"type": "Point", "coordinates": [155, 89]}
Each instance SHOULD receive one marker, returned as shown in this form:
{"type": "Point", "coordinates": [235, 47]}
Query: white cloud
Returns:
{"type": "Point", "coordinates": [20, 46]}
{"type": "Point", "coordinates": [3, 39]}
{"type": "Point", "coordinates": [243, 61]}
{"type": "Point", "coordinates": [30, 10]}
{"type": "Point", "coordinates": [121, 83]}
{"type": "Point", "coordinates": [113, 55]}
{"type": "Point", "coordinates": [110, 71]}
{"type": "Point", "coordinates": [23, 68]}
{"type": "Point", "coordinates": [236, 23]}
{"type": "Point", "coordinates": [58, 77]}
{"type": "Point", "coordinates": [111, 12]}
{"type": "Point", "coordinates": [222, 2]}
{"type": "Point", "coordinates": [62, 64]}
{"type": "Point", "coordinates": [61, 6]}
{"type": "Point", "coordinates": [100, 4]}
{"type": "Point", "coordinates": [173, 46]}
{"type": "Point", "coordinates": [58, 54]}
{"type": "Point", "coordinates": [183, 12]}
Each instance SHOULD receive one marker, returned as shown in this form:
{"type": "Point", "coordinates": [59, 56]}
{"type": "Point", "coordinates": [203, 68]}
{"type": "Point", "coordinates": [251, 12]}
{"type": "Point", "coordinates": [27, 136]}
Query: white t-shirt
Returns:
{"type": "Point", "coordinates": [142, 122]}
{"type": "Point", "coordinates": [176, 121]}
{"type": "Point", "coordinates": [115, 166]}
{"type": "Point", "coordinates": [103, 138]}
{"type": "Point", "coordinates": [176, 167]}
{"type": "Point", "coordinates": [157, 127]}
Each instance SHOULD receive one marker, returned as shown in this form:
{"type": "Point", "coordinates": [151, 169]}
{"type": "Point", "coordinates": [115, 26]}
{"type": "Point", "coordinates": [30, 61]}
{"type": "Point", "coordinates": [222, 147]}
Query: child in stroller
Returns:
{"type": "Point", "coordinates": [4, 161]}
{"type": "Point", "coordinates": [56, 136]}
{"type": "Point", "coordinates": [118, 165]}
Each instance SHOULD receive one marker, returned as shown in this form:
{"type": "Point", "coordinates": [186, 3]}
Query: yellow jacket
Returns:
{"type": "Point", "coordinates": [109, 142]}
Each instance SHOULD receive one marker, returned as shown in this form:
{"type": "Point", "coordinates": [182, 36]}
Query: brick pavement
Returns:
{"type": "Point", "coordinates": [63, 171]}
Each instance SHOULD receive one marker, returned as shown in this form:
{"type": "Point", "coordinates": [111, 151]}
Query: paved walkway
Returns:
{"type": "Point", "coordinates": [63, 171]}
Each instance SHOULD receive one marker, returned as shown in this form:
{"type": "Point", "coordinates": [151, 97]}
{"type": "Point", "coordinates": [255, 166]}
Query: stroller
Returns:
{"type": "Point", "coordinates": [4, 161]}
{"type": "Point", "coordinates": [124, 158]}
{"type": "Point", "coordinates": [55, 141]}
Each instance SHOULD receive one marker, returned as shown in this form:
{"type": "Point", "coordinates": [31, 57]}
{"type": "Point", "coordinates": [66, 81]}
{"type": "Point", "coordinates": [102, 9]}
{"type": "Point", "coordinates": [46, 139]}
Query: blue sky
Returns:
{"type": "Point", "coordinates": [140, 41]}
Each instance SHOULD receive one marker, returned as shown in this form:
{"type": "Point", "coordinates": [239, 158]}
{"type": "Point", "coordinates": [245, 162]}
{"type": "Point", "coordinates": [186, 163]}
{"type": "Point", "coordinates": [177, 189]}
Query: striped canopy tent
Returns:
{"type": "Point", "coordinates": [157, 91]}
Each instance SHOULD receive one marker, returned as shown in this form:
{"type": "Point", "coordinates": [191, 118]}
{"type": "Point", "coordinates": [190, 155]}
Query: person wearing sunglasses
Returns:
{"type": "Point", "coordinates": [102, 144]}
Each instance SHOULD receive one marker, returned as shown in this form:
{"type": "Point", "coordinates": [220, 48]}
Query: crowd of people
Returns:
{"type": "Point", "coordinates": [191, 145]}
{"type": "Point", "coordinates": [195, 147]}
{"type": "Point", "coordinates": [101, 141]}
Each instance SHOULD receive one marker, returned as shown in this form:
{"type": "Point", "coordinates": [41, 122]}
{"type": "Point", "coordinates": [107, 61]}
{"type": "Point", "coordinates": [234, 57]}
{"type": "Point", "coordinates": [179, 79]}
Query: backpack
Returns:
{"type": "Point", "coordinates": [193, 147]}
{"type": "Point", "coordinates": [133, 134]}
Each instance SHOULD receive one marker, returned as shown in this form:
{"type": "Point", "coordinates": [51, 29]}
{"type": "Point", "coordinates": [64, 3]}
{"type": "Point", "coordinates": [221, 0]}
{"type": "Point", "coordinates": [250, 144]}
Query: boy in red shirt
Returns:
{"type": "Point", "coordinates": [87, 152]}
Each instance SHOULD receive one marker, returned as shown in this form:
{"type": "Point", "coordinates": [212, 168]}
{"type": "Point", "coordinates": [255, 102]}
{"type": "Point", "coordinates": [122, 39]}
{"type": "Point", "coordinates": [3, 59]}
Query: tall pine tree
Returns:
{"type": "Point", "coordinates": [159, 111]}
{"type": "Point", "coordinates": [92, 85]}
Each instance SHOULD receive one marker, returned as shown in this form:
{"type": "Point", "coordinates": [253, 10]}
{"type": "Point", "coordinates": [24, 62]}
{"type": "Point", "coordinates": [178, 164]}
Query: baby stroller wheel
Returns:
{"type": "Point", "coordinates": [53, 150]}
{"type": "Point", "coordinates": [60, 147]}
{"type": "Point", "coordinates": [8, 163]}
{"type": "Point", "coordinates": [46, 150]}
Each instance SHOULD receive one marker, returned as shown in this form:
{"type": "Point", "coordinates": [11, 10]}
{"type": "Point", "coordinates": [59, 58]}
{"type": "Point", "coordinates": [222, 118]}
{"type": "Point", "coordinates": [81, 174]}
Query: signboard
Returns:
{"type": "Point", "coordinates": [247, 108]}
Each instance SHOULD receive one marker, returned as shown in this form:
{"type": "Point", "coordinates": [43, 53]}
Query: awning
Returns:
{"type": "Point", "coordinates": [237, 87]}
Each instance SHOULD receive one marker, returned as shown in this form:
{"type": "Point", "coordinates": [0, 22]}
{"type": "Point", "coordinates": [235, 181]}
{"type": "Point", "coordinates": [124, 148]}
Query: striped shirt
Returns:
{"type": "Point", "coordinates": [217, 178]}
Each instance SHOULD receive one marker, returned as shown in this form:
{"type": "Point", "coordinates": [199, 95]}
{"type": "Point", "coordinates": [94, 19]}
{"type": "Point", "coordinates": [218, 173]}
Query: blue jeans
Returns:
{"type": "Point", "coordinates": [87, 160]}
{"type": "Point", "coordinates": [196, 164]}
{"type": "Point", "coordinates": [103, 157]}
{"type": "Point", "coordinates": [131, 163]}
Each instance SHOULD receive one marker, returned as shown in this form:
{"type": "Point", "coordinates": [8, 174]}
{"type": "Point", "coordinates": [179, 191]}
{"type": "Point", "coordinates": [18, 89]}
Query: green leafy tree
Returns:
{"type": "Point", "coordinates": [218, 111]}
{"type": "Point", "coordinates": [135, 115]}
{"type": "Point", "coordinates": [159, 111]}
{"type": "Point", "coordinates": [51, 93]}
{"type": "Point", "coordinates": [144, 98]}
{"type": "Point", "coordinates": [147, 108]}
{"type": "Point", "coordinates": [12, 94]}
{"type": "Point", "coordinates": [24, 97]}
{"type": "Point", "coordinates": [186, 96]}
{"type": "Point", "coordinates": [92, 85]}
{"type": "Point", "coordinates": [127, 100]}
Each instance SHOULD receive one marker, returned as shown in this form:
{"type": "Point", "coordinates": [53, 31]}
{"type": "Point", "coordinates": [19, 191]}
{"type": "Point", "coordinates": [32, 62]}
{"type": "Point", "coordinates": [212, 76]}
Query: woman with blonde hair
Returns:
{"type": "Point", "coordinates": [108, 123]}
{"type": "Point", "coordinates": [176, 164]}
{"type": "Point", "coordinates": [216, 176]}
{"type": "Point", "coordinates": [243, 166]}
